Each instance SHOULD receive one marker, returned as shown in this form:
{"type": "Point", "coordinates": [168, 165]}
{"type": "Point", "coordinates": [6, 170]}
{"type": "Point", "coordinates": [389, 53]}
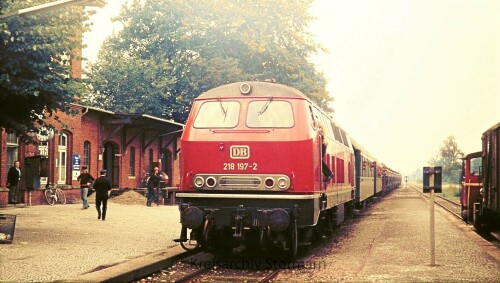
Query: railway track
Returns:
{"type": "Point", "coordinates": [447, 204]}
{"type": "Point", "coordinates": [205, 267]}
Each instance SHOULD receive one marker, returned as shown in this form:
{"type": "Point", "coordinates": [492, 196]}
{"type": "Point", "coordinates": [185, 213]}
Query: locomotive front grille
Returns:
{"type": "Point", "coordinates": [240, 182]}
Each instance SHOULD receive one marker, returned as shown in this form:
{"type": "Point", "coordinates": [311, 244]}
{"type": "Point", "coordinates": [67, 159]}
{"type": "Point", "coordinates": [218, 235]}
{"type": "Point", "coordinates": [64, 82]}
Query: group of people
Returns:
{"type": "Point", "coordinates": [101, 186]}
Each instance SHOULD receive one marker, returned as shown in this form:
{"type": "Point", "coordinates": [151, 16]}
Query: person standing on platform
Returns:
{"type": "Point", "coordinates": [85, 180]}
{"type": "Point", "coordinates": [153, 183]}
{"type": "Point", "coordinates": [13, 180]}
{"type": "Point", "coordinates": [102, 186]}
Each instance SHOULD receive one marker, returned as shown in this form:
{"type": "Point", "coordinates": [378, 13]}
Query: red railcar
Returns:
{"type": "Point", "coordinates": [470, 185]}
{"type": "Point", "coordinates": [251, 167]}
{"type": "Point", "coordinates": [480, 183]}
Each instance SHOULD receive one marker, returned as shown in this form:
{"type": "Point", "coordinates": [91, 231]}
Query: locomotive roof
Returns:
{"type": "Point", "coordinates": [357, 146]}
{"type": "Point", "coordinates": [493, 128]}
{"type": "Point", "coordinates": [257, 89]}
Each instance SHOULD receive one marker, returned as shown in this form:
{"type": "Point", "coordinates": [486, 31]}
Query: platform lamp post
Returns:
{"type": "Point", "coordinates": [432, 184]}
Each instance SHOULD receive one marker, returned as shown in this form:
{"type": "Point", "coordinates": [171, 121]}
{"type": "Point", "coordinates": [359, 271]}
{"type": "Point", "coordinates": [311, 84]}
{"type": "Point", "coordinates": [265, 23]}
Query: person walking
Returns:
{"type": "Point", "coordinates": [85, 180]}
{"type": "Point", "coordinates": [102, 186]}
{"type": "Point", "coordinates": [153, 183]}
{"type": "Point", "coordinates": [13, 181]}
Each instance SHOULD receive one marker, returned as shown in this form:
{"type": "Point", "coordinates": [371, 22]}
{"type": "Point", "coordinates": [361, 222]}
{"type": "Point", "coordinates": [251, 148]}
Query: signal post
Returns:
{"type": "Point", "coordinates": [432, 183]}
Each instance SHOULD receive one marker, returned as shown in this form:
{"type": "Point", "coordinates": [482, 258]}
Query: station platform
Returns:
{"type": "Point", "coordinates": [61, 242]}
{"type": "Point", "coordinates": [386, 242]}
{"type": "Point", "coordinates": [389, 241]}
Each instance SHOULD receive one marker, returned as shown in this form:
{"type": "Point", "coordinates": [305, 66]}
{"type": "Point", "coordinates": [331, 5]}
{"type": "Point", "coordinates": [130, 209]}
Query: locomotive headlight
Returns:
{"type": "Point", "coordinates": [283, 183]}
{"type": "Point", "coordinates": [211, 182]}
{"type": "Point", "coordinates": [198, 181]}
{"type": "Point", "coordinates": [269, 182]}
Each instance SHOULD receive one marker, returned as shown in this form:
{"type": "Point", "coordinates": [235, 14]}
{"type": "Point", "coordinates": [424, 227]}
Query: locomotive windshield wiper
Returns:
{"type": "Point", "coordinates": [264, 107]}
{"type": "Point", "coordinates": [224, 111]}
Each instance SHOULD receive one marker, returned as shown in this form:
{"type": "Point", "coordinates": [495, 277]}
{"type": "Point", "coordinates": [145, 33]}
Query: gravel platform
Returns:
{"type": "Point", "coordinates": [390, 242]}
{"type": "Point", "coordinates": [63, 241]}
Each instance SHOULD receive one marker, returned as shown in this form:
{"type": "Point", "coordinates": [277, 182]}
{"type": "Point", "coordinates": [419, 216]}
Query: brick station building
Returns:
{"type": "Point", "coordinates": [127, 145]}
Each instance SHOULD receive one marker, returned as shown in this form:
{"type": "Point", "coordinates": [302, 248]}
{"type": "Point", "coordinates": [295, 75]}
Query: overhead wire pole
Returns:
{"type": "Point", "coordinates": [53, 6]}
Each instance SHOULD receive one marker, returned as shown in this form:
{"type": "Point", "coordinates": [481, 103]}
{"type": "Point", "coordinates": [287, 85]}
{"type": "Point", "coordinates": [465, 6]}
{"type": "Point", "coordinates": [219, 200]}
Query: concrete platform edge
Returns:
{"type": "Point", "coordinates": [133, 269]}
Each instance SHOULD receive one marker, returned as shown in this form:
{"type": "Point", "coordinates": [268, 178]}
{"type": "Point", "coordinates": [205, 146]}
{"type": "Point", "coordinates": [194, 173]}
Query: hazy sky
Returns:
{"type": "Point", "coordinates": [405, 74]}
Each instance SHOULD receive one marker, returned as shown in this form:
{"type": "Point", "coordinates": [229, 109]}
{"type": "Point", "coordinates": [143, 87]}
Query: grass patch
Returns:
{"type": "Point", "coordinates": [451, 191]}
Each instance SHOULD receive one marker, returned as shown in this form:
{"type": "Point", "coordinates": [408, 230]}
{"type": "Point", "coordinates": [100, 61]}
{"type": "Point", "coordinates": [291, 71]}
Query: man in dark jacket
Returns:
{"type": "Point", "coordinates": [101, 186]}
{"type": "Point", "coordinates": [85, 180]}
{"type": "Point", "coordinates": [13, 178]}
{"type": "Point", "coordinates": [153, 183]}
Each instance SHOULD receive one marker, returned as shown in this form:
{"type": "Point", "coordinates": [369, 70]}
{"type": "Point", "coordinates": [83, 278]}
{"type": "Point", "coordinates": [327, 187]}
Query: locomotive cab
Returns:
{"type": "Point", "coordinates": [470, 187]}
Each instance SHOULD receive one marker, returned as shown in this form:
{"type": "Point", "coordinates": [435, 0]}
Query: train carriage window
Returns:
{"type": "Point", "coordinates": [344, 137]}
{"type": "Point", "coordinates": [270, 114]}
{"type": "Point", "coordinates": [336, 133]}
{"type": "Point", "coordinates": [327, 126]}
{"type": "Point", "coordinates": [218, 114]}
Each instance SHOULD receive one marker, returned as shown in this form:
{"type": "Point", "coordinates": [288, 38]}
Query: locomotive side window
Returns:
{"type": "Point", "coordinates": [475, 166]}
{"type": "Point", "coordinates": [327, 126]}
{"type": "Point", "coordinates": [336, 133]}
{"type": "Point", "coordinates": [218, 114]}
{"type": "Point", "coordinates": [270, 114]}
{"type": "Point", "coordinates": [344, 137]}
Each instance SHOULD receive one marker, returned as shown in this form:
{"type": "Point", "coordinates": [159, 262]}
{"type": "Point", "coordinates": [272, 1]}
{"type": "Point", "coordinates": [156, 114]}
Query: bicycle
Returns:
{"type": "Point", "coordinates": [54, 195]}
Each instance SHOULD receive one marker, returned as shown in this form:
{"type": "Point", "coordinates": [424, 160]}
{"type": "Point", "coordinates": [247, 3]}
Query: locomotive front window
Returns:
{"type": "Point", "coordinates": [218, 114]}
{"type": "Point", "coordinates": [270, 114]}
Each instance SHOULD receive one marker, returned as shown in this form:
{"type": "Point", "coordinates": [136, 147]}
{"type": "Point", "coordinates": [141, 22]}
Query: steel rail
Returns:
{"type": "Point", "coordinates": [438, 203]}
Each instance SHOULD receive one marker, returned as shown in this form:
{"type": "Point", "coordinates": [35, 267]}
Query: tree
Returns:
{"type": "Point", "coordinates": [34, 64]}
{"type": "Point", "coordinates": [448, 157]}
{"type": "Point", "coordinates": [170, 51]}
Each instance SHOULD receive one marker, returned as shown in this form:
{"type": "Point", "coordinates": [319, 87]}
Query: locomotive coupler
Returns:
{"type": "Point", "coordinates": [183, 237]}
{"type": "Point", "coordinates": [240, 215]}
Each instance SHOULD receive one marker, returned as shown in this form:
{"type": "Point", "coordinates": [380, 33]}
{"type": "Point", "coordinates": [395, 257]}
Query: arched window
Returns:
{"type": "Point", "coordinates": [86, 154]}
{"type": "Point", "coordinates": [131, 166]}
{"type": "Point", "coordinates": [62, 154]}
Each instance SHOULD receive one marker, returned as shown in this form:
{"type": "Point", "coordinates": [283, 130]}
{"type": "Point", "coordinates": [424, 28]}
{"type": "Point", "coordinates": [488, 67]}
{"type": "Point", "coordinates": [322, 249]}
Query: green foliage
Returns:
{"type": "Point", "coordinates": [34, 63]}
{"type": "Point", "coordinates": [449, 158]}
{"type": "Point", "coordinates": [170, 51]}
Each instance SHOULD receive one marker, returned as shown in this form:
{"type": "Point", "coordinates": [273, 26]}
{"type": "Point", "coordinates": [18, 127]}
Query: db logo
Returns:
{"type": "Point", "coordinates": [239, 151]}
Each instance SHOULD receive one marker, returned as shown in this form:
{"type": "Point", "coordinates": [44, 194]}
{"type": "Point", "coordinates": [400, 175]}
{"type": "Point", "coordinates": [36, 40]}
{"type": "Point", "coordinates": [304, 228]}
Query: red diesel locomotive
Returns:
{"type": "Point", "coordinates": [251, 166]}
{"type": "Point", "coordinates": [479, 188]}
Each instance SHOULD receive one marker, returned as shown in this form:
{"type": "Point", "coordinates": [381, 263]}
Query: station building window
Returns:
{"type": "Point", "coordinates": [86, 154]}
{"type": "Point", "coordinates": [150, 160]}
{"type": "Point", "coordinates": [12, 149]}
{"type": "Point", "coordinates": [62, 154]}
{"type": "Point", "coordinates": [131, 166]}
